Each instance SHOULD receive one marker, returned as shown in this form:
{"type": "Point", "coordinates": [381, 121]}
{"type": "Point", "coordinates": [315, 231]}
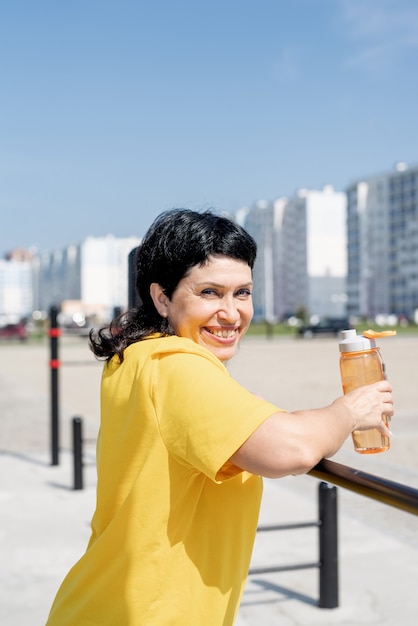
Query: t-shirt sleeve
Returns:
{"type": "Point", "coordinates": [204, 415]}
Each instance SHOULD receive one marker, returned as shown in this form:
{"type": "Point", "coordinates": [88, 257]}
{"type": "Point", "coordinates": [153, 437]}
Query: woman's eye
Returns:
{"type": "Point", "coordinates": [209, 292]}
{"type": "Point", "coordinates": [244, 293]}
{"type": "Point", "coordinates": [214, 293]}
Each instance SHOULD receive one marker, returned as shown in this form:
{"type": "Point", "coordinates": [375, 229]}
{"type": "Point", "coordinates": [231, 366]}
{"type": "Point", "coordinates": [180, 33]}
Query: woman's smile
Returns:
{"type": "Point", "coordinates": [224, 333]}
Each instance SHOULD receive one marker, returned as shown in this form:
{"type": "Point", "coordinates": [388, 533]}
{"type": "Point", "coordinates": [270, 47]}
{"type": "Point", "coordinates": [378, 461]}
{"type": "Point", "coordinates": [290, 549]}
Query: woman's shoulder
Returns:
{"type": "Point", "coordinates": [159, 345]}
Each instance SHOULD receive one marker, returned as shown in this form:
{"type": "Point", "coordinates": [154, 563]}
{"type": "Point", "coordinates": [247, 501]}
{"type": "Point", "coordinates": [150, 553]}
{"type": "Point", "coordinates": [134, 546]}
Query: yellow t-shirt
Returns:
{"type": "Point", "coordinates": [175, 523]}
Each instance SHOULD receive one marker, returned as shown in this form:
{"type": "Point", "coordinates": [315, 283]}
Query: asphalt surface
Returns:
{"type": "Point", "coordinates": [45, 521]}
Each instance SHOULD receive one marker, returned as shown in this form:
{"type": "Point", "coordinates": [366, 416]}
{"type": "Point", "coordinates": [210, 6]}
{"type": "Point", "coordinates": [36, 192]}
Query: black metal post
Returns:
{"type": "Point", "coordinates": [78, 452]}
{"type": "Point", "coordinates": [133, 296]}
{"type": "Point", "coordinates": [328, 546]}
{"type": "Point", "coordinates": [54, 364]}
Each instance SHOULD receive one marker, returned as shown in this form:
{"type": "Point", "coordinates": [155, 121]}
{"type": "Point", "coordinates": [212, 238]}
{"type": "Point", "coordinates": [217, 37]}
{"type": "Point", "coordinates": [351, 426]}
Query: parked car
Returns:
{"type": "Point", "coordinates": [14, 331]}
{"type": "Point", "coordinates": [325, 326]}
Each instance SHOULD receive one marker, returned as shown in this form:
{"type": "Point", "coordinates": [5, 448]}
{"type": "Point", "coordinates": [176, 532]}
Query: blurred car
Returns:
{"type": "Point", "coordinates": [325, 326]}
{"type": "Point", "coordinates": [14, 331]}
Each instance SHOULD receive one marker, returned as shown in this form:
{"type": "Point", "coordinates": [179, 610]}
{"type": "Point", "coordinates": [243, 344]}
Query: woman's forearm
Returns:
{"type": "Point", "coordinates": [293, 443]}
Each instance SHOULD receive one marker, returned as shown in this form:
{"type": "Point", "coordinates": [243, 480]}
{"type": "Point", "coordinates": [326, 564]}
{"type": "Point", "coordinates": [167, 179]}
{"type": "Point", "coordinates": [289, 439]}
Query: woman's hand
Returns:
{"type": "Point", "coordinates": [367, 404]}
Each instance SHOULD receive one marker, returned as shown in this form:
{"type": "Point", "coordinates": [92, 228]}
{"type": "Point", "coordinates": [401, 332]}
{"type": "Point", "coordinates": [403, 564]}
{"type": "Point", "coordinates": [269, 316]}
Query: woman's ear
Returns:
{"type": "Point", "coordinates": [159, 299]}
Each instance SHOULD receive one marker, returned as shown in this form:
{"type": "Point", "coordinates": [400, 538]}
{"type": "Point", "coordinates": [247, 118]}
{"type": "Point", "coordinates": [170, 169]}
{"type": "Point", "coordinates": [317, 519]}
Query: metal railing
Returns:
{"type": "Point", "coordinates": [381, 489]}
{"type": "Point", "coordinates": [374, 487]}
{"type": "Point", "coordinates": [327, 564]}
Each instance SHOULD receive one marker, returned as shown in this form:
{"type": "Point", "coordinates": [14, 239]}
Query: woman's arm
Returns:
{"type": "Point", "coordinates": [293, 443]}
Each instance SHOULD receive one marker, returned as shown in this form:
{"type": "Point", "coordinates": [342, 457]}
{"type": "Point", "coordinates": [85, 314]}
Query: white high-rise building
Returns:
{"type": "Point", "coordinates": [89, 278]}
{"type": "Point", "coordinates": [301, 259]}
{"type": "Point", "coordinates": [326, 250]}
{"type": "Point", "coordinates": [15, 289]}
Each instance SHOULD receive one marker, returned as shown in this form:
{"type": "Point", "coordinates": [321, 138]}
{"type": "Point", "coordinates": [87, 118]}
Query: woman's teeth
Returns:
{"type": "Point", "coordinates": [224, 333]}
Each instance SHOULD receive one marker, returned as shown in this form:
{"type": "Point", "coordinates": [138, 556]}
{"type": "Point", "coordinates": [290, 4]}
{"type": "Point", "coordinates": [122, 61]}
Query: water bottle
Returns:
{"type": "Point", "coordinates": [361, 364]}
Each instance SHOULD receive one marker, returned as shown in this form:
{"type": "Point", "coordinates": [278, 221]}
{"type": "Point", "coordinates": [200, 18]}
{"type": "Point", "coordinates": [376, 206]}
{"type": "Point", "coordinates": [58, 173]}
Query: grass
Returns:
{"type": "Point", "coordinates": [281, 329]}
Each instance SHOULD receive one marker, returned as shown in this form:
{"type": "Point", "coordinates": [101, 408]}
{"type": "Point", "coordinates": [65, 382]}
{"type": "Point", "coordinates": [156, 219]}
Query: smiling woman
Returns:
{"type": "Point", "coordinates": [182, 446]}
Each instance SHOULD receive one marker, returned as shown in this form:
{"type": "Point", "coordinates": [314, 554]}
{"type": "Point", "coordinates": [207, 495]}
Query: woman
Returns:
{"type": "Point", "coordinates": [182, 446]}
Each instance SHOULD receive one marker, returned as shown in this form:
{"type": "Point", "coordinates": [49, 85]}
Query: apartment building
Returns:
{"type": "Point", "coordinates": [301, 261]}
{"type": "Point", "coordinates": [89, 278]}
{"type": "Point", "coordinates": [326, 250]}
{"type": "Point", "coordinates": [382, 244]}
{"type": "Point", "coordinates": [280, 270]}
{"type": "Point", "coordinates": [16, 288]}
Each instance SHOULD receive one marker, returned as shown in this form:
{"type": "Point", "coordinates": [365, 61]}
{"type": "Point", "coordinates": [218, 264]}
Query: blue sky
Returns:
{"type": "Point", "coordinates": [113, 111]}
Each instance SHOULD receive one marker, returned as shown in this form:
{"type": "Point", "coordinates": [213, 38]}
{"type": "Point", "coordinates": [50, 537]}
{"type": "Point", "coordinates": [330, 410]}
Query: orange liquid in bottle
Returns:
{"type": "Point", "coordinates": [364, 368]}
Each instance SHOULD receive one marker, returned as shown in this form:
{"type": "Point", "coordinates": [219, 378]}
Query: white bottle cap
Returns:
{"type": "Point", "coordinates": [352, 342]}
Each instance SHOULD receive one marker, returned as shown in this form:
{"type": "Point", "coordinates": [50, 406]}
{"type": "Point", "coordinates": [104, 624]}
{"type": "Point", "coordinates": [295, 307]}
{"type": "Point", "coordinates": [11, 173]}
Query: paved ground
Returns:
{"type": "Point", "coordinates": [45, 523]}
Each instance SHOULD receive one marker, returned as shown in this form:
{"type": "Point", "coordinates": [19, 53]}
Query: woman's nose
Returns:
{"type": "Point", "coordinates": [229, 310]}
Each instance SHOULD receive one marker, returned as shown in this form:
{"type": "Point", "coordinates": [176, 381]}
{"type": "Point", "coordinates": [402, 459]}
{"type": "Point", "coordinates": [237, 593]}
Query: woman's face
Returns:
{"type": "Point", "coordinates": [212, 305]}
